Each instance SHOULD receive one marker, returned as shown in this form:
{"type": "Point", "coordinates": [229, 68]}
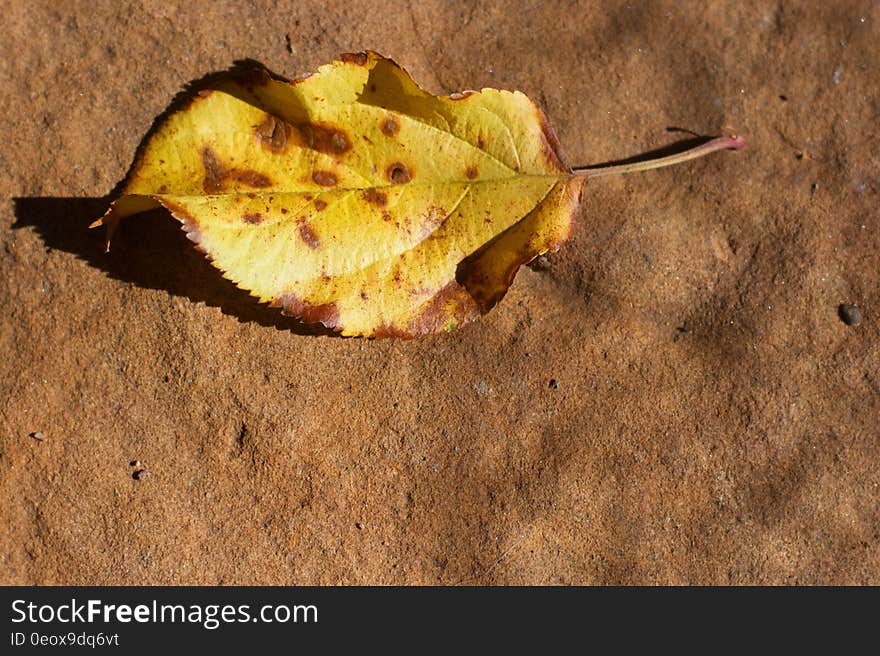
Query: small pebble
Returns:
{"type": "Point", "coordinates": [553, 384]}
{"type": "Point", "coordinates": [38, 436]}
{"type": "Point", "coordinates": [140, 474]}
{"type": "Point", "coordinates": [134, 463]}
{"type": "Point", "coordinates": [849, 314]}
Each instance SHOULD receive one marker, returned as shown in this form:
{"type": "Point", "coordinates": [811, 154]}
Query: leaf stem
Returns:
{"type": "Point", "coordinates": [711, 146]}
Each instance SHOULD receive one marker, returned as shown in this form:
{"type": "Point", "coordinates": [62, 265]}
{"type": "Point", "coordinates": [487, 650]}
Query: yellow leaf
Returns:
{"type": "Point", "coordinates": [354, 198]}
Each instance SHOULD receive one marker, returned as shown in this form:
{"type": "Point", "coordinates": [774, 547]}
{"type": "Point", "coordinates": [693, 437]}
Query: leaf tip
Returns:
{"type": "Point", "coordinates": [729, 139]}
{"type": "Point", "coordinates": [110, 221]}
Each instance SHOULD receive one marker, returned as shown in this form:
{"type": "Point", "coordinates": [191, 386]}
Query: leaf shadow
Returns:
{"type": "Point", "coordinates": [675, 148]}
{"type": "Point", "coordinates": [150, 250]}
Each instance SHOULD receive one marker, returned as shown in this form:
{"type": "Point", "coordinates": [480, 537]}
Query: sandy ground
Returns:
{"type": "Point", "coordinates": [712, 419]}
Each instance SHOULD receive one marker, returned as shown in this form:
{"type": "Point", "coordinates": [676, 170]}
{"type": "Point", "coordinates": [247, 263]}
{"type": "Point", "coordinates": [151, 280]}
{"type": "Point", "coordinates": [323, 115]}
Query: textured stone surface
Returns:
{"type": "Point", "coordinates": [713, 420]}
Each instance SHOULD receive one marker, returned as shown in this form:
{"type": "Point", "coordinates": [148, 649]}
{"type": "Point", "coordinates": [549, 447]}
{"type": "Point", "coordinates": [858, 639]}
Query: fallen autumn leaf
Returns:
{"type": "Point", "coordinates": [356, 199]}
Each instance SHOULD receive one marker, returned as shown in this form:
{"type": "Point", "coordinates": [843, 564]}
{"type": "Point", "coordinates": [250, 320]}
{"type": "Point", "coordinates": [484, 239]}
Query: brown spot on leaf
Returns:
{"type": "Point", "coordinates": [284, 210]}
{"type": "Point", "coordinates": [320, 205]}
{"type": "Point", "coordinates": [273, 133]}
{"type": "Point", "coordinates": [451, 306]}
{"type": "Point", "coordinates": [326, 313]}
{"type": "Point", "coordinates": [251, 178]}
{"type": "Point", "coordinates": [398, 173]}
{"type": "Point", "coordinates": [254, 219]}
{"type": "Point", "coordinates": [357, 58]}
{"type": "Point", "coordinates": [215, 173]}
{"type": "Point", "coordinates": [461, 95]}
{"type": "Point", "coordinates": [324, 138]}
{"type": "Point", "coordinates": [481, 143]}
{"type": "Point", "coordinates": [390, 126]}
{"type": "Point", "coordinates": [375, 197]}
{"type": "Point", "coordinates": [309, 236]}
{"type": "Point", "coordinates": [472, 172]}
{"type": "Point", "coordinates": [324, 178]}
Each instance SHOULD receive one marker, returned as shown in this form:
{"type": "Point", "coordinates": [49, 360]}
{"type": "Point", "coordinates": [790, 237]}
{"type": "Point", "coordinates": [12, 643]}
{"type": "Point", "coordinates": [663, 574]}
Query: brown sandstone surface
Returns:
{"type": "Point", "coordinates": [670, 398]}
